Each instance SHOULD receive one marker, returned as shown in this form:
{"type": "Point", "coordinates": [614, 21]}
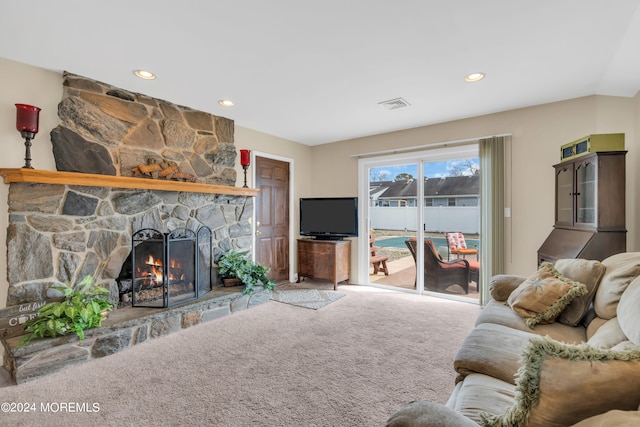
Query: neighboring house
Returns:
{"type": "Point", "coordinates": [446, 191]}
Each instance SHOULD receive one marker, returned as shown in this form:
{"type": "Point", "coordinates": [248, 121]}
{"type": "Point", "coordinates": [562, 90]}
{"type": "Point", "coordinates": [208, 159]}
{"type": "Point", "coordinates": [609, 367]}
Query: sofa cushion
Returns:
{"type": "Point", "coordinates": [627, 311]}
{"type": "Point", "coordinates": [542, 297]}
{"type": "Point", "coordinates": [502, 285]}
{"type": "Point", "coordinates": [608, 335]}
{"type": "Point", "coordinates": [479, 393]}
{"type": "Point", "coordinates": [621, 270]}
{"type": "Point", "coordinates": [594, 325]}
{"type": "Point", "coordinates": [560, 385]}
{"type": "Point", "coordinates": [587, 272]}
{"type": "Point", "coordinates": [626, 346]}
{"type": "Point", "coordinates": [428, 414]}
{"type": "Point", "coordinates": [501, 314]}
{"type": "Point", "coordinates": [492, 350]}
{"type": "Point", "coordinates": [612, 418]}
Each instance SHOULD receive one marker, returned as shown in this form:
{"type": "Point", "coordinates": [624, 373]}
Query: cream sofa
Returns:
{"type": "Point", "coordinates": [538, 357]}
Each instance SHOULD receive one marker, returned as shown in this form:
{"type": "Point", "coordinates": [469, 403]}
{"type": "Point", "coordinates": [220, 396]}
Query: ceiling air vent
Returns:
{"type": "Point", "coordinates": [392, 104]}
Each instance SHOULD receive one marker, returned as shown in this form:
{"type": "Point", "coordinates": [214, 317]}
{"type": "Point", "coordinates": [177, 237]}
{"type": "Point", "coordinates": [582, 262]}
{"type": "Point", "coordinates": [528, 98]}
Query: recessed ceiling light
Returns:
{"type": "Point", "coordinates": [147, 75]}
{"type": "Point", "coordinates": [474, 77]}
{"type": "Point", "coordinates": [226, 103]}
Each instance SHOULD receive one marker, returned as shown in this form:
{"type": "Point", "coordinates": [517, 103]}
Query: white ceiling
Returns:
{"type": "Point", "coordinates": [314, 71]}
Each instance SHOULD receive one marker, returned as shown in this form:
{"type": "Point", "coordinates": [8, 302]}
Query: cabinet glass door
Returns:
{"type": "Point", "coordinates": [564, 195]}
{"type": "Point", "coordinates": [586, 193]}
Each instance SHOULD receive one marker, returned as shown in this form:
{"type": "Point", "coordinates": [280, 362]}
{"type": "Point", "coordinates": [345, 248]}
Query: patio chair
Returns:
{"type": "Point", "coordinates": [458, 246]}
{"type": "Point", "coordinates": [440, 274]}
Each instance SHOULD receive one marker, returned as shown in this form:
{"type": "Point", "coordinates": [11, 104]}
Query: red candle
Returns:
{"type": "Point", "coordinates": [27, 118]}
{"type": "Point", "coordinates": [245, 157]}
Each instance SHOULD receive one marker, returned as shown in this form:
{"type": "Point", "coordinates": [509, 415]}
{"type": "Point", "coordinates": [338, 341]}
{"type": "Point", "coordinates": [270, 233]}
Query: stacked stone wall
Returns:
{"type": "Point", "coordinates": [107, 130]}
{"type": "Point", "coordinates": [60, 233]}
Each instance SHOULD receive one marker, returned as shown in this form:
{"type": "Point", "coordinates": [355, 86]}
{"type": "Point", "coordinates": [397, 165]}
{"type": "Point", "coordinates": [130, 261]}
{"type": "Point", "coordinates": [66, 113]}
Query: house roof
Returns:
{"type": "Point", "coordinates": [457, 186]}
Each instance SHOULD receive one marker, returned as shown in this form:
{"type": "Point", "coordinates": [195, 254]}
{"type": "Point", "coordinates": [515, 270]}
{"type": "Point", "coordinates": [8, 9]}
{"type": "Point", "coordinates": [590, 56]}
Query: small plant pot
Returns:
{"type": "Point", "coordinates": [232, 282]}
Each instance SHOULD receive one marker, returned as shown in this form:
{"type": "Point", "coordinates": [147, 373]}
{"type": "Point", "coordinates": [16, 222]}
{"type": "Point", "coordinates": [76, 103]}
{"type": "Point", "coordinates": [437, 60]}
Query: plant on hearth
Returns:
{"type": "Point", "coordinates": [83, 307]}
{"type": "Point", "coordinates": [237, 265]}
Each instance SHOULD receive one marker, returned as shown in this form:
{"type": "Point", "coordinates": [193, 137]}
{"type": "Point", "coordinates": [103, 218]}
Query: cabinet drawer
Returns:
{"type": "Point", "coordinates": [317, 248]}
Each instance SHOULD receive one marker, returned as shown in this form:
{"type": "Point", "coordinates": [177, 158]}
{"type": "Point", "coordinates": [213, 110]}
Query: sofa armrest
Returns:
{"type": "Point", "coordinates": [428, 414]}
{"type": "Point", "coordinates": [502, 285]}
{"type": "Point", "coordinates": [492, 350]}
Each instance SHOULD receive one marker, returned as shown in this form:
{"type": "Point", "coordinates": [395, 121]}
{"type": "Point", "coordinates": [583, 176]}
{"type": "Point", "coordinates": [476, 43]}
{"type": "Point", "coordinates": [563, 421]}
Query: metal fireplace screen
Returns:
{"type": "Point", "coordinates": [170, 268]}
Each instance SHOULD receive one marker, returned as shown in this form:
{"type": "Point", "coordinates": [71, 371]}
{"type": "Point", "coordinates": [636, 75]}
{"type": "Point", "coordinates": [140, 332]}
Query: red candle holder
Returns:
{"type": "Point", "coordinates": [27, 117]}
{"type": "Point", "coordinates": [245, 161]}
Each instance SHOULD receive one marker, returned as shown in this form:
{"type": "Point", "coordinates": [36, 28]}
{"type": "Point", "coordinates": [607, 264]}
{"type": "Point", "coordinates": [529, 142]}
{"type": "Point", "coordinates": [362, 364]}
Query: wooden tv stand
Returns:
{"type": "Point", "coordinates": [324, 259]}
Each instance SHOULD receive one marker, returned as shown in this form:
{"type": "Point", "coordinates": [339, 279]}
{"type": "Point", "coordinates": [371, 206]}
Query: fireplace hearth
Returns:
{"type": "Point", "coordinates": [164, 269]}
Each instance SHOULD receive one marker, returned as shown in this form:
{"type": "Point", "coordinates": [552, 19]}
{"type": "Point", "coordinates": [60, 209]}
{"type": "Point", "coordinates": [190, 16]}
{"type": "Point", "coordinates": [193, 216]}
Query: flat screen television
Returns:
{"type": "Point", "coordinates": [329, 217]}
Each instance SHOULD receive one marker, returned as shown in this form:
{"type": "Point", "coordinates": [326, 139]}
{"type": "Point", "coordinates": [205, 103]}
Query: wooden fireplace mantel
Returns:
{"type": "Point", "coordinates": [97, 180]}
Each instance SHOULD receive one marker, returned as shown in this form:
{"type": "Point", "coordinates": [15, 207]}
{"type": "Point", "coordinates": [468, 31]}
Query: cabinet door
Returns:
{"type": "Point", "coordinates": [564, 195]}
{"type": "Point", "coordinates": [586, 194]}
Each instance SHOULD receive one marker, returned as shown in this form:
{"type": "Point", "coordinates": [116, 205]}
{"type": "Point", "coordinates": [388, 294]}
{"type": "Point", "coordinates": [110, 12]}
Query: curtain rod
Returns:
{"type": "Point", "coordinates": [452, 143]}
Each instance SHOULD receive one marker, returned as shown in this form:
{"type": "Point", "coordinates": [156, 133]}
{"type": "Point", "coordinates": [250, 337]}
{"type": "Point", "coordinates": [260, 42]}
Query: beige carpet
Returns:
{"type": "Point", "coordinates": [352, 363]}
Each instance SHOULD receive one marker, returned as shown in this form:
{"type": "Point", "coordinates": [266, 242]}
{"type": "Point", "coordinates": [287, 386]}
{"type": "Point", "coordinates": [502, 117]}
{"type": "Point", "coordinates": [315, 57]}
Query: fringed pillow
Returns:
{"type": "Point", "coordinates": [542, 297]}
{"type": "Point", "coordinates": [561, 384]}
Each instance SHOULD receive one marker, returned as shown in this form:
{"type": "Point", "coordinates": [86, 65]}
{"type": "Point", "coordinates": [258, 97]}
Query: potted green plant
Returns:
{"type": "Point", "coordinates": [83, 307]}
{"type": "Point", "coordinates": [237, 265]}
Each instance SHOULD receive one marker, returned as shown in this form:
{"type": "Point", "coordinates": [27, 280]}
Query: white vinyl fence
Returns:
{"type": "Point", "coordinates": [465, 219]}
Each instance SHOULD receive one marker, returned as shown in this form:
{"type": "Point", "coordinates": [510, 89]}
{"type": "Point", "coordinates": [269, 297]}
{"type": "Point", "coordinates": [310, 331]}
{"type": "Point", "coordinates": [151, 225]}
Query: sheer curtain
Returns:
{"type": "Point", "coordinates": [492, 212]}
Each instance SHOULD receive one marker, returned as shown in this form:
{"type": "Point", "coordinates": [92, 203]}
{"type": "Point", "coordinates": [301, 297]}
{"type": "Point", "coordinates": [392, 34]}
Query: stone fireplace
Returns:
{"type": "Point", "coordinates": [82, 220]}
{"type": "Point", "coordinates": [60, 233]}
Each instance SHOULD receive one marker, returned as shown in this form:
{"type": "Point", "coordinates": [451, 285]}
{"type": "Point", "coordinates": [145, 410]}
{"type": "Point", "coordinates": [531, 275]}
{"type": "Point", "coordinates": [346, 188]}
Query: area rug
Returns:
{"type": "Point", "coordinates": [307, 298]}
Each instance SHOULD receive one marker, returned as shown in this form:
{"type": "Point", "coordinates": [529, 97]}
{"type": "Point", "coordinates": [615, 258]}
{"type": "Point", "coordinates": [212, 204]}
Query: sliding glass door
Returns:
{"type": "Point", "coordinates": [392, 211]}
{"type": "Point", "coordinates": [421, 197]}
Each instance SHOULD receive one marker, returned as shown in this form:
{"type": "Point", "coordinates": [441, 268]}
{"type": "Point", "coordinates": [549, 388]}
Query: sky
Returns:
{"type": "Point", "coordinates": [431, 170]}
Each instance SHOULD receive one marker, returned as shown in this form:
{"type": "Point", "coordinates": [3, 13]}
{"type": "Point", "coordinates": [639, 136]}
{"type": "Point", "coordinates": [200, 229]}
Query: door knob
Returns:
{"type": "Point", "coordinates": [258, 233]}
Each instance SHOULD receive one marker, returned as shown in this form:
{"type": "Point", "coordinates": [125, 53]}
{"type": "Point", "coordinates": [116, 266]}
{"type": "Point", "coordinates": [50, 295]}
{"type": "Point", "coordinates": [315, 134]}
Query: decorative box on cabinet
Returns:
{"type": "Point", "coordinates": [324, 259]}
{"type": "Point", "coordinates": [590, 208]}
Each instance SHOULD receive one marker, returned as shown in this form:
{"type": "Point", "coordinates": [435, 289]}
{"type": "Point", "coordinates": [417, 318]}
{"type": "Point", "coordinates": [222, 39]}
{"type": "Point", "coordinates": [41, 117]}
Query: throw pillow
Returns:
{"type": "Point", "coordinates": [622, 268]}
{"type": "Point", "coordinates": [542, 297]}
{"type": "Point", "coordinates": [502, 285]}
{"type": "Point", "coordinates": [561, 384]}
{"type": "Point", "coordinates": [587, 272]}
{"type": "Point", "coordinates": [628, 312]}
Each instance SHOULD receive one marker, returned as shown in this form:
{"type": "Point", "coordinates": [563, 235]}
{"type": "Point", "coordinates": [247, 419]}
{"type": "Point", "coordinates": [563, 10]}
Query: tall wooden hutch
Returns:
{"type": "Point", "coordinates": [589, 208]}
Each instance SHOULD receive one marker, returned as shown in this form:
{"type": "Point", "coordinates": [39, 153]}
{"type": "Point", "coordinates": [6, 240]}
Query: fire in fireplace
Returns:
{"type": "Point", "coordinates": [165, 269]}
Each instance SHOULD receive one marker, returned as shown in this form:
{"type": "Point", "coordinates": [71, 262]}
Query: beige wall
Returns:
{"type": "Point", "coordinates": [299, 158]}
{"type": "Point", "coordinates": [538, 132]}
{"type": "Point", "coordinates": [22, 84]}
{"type": "Point", "coordinates": [330, 169]}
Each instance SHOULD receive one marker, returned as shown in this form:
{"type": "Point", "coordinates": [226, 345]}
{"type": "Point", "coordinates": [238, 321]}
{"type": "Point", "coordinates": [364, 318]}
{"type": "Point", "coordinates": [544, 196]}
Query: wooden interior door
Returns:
{"type": "Point", "coordinates": [272, 216]}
